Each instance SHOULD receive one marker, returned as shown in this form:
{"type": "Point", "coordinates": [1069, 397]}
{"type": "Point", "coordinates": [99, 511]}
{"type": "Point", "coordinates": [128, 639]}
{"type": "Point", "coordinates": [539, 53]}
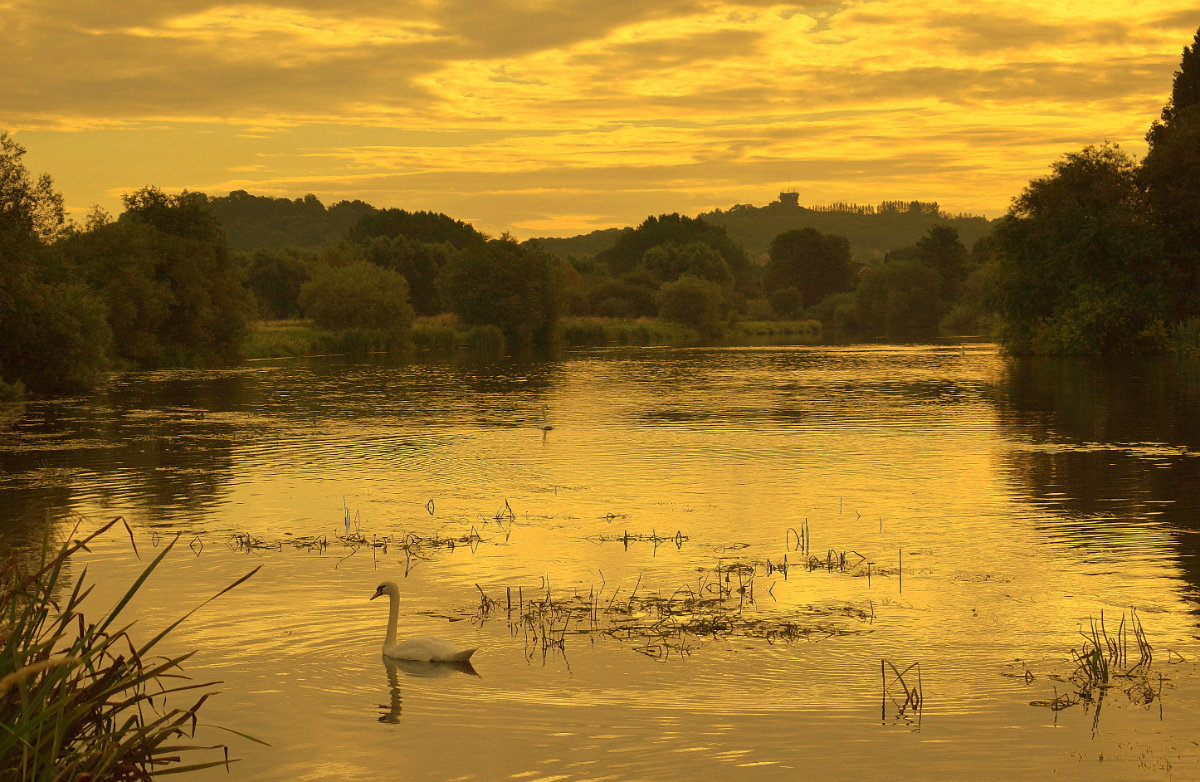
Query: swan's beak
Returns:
{"type": "Point", "coordinates": [378, 592]}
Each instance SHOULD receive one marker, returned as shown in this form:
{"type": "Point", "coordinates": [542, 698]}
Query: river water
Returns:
{"type": "Point", "coordinates": [610, 531]}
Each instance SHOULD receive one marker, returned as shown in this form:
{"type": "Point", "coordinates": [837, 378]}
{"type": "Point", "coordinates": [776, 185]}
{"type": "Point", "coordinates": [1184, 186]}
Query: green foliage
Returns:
{"type": "Point", "coordinates": [486, 340]}
{"type": "Point", "coordinates": [898, 298]}
{"type": "Point", "coordinates": [174, 293]}
{"type": "Point", "coordinates": [760, 309]}
{"type": "Point", "coordinates": [837, 313]}
{"type": "Point", "coordinates": [693, 302]}
{"type": "Point", "coordinates": [359, 295]}
{"type": "Point", "coordinates": [597, 332]}
{"type": "Point", "coordinates": [53, 338]}
{"type": "Point", "coordinates": [261, 222]}
{"type": "Point", "coordinates": [873, 231]}
{"type": "Point", "coordinates": [361, 341]}
{"type": "Point", "coordinates": [816, 264]}
{"type": "Point", "coordinates": [280, 339]}
{"type": "Point", "coordinates": [120, 262]}
{"type": "Point", "coordinates": [1184, 339]}
{"type": "Point", "coordinates": [786, 302]}
{"type": "Point", "coordinates": [275, 277]}
{"type": "Point", "coordinates": [82, 699]}
{"type": "Point", "coordinates": [1078, 267]}
{"type": "Point", "coordinates": [10, 392]}
{"type": "Point", "coordinates": [670, 261]}
{"type": "Point", "coordinates": [941, 250]}
{"type": "Point", "coordinates": [915, 287]}
{"type": "Point", "coordinates": [971, 313]}
{"type": "Point", "coordinates": [420, 263]}
{"type": "Point", "coordinates": [582, 247]}
{"type": "Point", "coordinates": [423, 227]}
{"type": "Point", "coordinates": [575, 286]}
{"type": "Point", "coordinates": [790, 331]}
{"type": "Point", "coordinates": [1099, 318]}
{"type": "Point", "coordinates": [56, 339]}
{"type": "Point", "coordinates": [443, 335]}
{"type": "Point", "coordinates": [31, 211]}
{"type": "Point", "coordinates": [1170, 175]}
{"type": "Point", "coordinates": [632, 296]}
{"type": "Point", "coordinates": [185, 215]}
{"type": "Point", "coordinates": [514, 287]}
{"type": "Point", "coordinates": [1185, 92]}
{"type": "Point", "coordinates": [631, 247]}
{"type": "Point", "coordinates": [434, 336]}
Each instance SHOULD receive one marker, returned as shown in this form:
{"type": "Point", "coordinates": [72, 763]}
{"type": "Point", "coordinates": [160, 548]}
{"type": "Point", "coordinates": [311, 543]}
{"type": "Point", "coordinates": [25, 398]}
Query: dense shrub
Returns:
{"type": "Point", "coordinates": [786, 302]}
{"type": "Point", "coordinates": [693, 302]}
{"type": "Point", "coordinates": [899, 298]}
{"type": "Point", "coordinates": [358, 295]}
{"type": "Point", "coordinates": [1078, 264]}
{"type": "Point", "coordinates": [816, 264]}
{"type": "Point", "coordinates": [516, 288]}
{"type": "Point", "coordinates": [275, 277]}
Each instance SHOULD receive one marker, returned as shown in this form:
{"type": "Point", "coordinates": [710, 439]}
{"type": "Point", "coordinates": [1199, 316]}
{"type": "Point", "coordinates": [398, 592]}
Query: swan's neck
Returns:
{"type": "Point", "coordinates": [393, 617]}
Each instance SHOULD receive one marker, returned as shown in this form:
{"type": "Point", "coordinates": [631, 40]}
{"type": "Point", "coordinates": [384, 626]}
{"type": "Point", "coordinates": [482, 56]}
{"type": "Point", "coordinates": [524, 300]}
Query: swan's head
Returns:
{"type": "Point", "coordinates": [386, 588]}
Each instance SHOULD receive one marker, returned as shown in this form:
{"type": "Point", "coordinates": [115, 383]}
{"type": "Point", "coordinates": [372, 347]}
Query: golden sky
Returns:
{"type": "Point", "coordinates": [556, 117]}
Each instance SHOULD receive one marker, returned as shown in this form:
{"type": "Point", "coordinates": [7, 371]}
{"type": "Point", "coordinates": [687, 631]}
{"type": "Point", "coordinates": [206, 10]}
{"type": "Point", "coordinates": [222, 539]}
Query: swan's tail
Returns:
{"type": "Point", "coordinates": [463, 656]}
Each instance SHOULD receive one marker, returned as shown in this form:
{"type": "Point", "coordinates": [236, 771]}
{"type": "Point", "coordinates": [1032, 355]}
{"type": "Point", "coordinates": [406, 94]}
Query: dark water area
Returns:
{"type": "Point", "coordinates": [988, 510]}
{"type": "Point", "coordinates": [1111, 443]}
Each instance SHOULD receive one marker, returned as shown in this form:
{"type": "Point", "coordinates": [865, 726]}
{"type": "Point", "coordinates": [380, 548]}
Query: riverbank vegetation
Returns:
{"type": "Point", "coordinates": [79, 697]}
{"type": "Point", "coordinates": [1100, 256]}
{"type": "Point", "coordinates": [446, 334]}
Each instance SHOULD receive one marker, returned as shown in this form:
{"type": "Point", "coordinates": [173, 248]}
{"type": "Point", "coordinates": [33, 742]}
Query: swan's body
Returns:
{"type": "Point", "coordinates": [422, 649]}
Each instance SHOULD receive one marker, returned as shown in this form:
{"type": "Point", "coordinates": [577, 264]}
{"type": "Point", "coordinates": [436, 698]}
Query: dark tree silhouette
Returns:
{"type": "Point", "coordinates": [673, 229]}
{"type": "Point", "coordinates": [814, 263]}
{"type": "Point", "coordinates": [1077, 265]}
{"type": "Point", "coordinates": [1171, 176]}
{"type": "Point", "coordinates": [429, 227]}
{"type": "Point", "coordinates": [53, 336]}
{"type": "Point", "coordinates": [512, 286]}
{"type": "Point", "coordinates": [941, 251]}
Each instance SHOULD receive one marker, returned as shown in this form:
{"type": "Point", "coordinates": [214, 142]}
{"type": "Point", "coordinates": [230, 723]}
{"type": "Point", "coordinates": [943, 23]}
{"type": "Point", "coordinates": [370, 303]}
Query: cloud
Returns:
{"type": "Point", "coordinates": [675, 103]}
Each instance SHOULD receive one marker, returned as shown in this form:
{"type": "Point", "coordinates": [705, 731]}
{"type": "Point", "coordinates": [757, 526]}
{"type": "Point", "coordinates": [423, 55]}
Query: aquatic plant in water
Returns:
{"type": "Point", "coordinates": [1104, 661]}
{"type": "Point", "coordinates": [720, 604]}
{"type": "Point", "coordinates": [80, 699]}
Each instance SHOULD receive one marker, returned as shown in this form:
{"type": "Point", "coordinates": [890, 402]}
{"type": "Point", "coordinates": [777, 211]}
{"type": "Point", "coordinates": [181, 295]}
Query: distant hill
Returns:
{"type": "Point", "coordinates": [872, 230]}
{"type": "Point", "coordinates": [590, 244]}
{"type": "Point", "coordinates": [252, 221]}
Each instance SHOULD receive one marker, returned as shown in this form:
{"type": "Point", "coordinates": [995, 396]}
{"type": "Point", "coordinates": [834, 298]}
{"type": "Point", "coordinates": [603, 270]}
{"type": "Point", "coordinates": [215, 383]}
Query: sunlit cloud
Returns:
{"type": "Point", "coordinates": [580, 114]}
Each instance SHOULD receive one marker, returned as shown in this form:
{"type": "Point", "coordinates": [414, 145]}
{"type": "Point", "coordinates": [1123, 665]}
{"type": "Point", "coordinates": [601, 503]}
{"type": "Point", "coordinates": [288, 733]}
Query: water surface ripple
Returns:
{"type": "Point", "coordinates": [988, 509]}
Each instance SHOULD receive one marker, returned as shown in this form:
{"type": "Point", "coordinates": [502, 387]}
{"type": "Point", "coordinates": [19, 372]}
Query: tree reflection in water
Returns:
{"type": "Point", "coordinates": [1111, 447]}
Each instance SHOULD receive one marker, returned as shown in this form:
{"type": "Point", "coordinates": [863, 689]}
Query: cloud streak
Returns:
{"type": "Point", "coordinates": [567, 115]}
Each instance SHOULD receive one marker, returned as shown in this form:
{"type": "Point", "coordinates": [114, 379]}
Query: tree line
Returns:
{"type": "Point", "coordinates": [159, 285]}
{"type": "Point", "coordinates": [1102, 255]}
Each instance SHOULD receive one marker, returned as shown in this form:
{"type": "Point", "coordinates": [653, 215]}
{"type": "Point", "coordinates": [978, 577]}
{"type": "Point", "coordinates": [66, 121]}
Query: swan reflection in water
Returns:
{"type": "Point", "coordinates": [426, 670]}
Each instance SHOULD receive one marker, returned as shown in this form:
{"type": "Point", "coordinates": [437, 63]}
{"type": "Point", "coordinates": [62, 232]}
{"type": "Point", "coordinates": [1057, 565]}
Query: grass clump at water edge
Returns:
{"type": "Point", "coordinates": [80, 699]}
{"type": "Point", "coordinates": [584, 331]}
{"type": "Point", "coordinates": [294, 338]}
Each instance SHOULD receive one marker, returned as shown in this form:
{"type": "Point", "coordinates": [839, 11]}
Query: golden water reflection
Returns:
{"type": "Point", "coordinates": [997, 504]}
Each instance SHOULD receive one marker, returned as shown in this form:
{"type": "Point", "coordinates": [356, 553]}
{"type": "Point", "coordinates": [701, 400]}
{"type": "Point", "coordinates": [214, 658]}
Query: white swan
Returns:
{"type": "Point", "coordinates": [423, 649]}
